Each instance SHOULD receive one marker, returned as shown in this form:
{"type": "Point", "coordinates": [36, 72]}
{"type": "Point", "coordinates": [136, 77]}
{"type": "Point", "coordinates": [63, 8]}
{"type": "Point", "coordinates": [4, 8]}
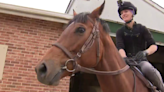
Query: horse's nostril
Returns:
{"type": "Point", "coordinates": [43, 68]}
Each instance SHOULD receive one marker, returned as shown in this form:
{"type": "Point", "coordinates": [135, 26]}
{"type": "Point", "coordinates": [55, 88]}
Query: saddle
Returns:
{"type": "Point", "coordinates": [133, 65]}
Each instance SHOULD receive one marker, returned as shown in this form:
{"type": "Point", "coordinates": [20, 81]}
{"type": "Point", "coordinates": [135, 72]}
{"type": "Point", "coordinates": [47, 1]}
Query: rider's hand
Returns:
{"type": "Point", "coordinates": [141, 55]}
{"type": "Point", "coordinates": [126, 59]}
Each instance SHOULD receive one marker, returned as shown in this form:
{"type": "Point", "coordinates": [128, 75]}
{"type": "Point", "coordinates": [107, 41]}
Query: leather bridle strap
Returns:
{"type": "Point", "coordinates": [63, 49]}
{"type": "Point", "coordinates": [89, 70]}
{"type": "Point", "coordinates": [92, 71]}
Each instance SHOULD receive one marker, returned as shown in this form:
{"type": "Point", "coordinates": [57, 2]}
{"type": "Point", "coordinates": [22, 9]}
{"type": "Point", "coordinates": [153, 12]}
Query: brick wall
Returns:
{"type": "Point", "coordinates": [28, 39]}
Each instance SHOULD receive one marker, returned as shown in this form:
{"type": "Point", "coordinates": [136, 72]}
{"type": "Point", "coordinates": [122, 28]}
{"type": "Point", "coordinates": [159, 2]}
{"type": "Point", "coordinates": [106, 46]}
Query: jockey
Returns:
{"type": "Point", "coordinates": [135, 40]}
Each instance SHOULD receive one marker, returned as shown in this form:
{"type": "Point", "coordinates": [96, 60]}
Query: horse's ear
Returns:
{"type": "Point", "coordinates": [74, 13]}
{"type": "Point", "coordinates": [97, 12]}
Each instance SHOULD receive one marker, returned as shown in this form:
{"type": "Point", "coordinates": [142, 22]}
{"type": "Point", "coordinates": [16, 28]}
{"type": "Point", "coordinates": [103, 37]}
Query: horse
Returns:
{"type": "Point", "coordinates": [85, 45]}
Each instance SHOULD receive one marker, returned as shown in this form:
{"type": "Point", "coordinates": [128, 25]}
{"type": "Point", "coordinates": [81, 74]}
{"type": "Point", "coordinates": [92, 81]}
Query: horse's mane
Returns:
{"type": "Point", "coordinates": [82, 18]}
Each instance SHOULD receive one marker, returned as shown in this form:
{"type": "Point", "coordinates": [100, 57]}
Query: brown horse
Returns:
{"type": "Point", "coordinates": [86, 43]}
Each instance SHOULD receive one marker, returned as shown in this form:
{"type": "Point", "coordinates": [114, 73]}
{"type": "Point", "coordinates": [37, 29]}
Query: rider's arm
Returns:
{"type": "Point", "coordinates": [120, 43]}
{"type": "Point", "coordinates": [150, 41]}
{"type": "Point", "coordinates": [122, 53]}
{"type": "Point", "coordinates": [151, 49]}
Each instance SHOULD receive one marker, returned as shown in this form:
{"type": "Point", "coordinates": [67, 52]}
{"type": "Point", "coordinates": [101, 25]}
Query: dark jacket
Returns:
{"type": "Point", "coordinates": [133, 40]}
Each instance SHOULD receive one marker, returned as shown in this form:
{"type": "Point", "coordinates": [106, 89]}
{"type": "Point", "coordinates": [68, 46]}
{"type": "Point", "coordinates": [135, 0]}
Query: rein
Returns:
{"type": "Point", "coordinates": [88, 44]}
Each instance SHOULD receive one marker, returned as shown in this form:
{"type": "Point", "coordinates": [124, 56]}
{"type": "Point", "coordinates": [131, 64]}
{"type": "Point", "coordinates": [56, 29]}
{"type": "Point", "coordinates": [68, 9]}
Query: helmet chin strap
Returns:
{"type": "Point", "coordinates": [129, 21]}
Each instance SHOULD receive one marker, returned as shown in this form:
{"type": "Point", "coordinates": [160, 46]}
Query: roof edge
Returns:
{"type": "Point", "coordinates": [34, 13]}
{"type": "Point", "coordinates": [69, 6]}
{"type": "Point", "coordinates": [155, 5]}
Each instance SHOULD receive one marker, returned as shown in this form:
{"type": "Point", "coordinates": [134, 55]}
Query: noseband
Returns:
{"type": "Point", "coordinates": [88, 44]}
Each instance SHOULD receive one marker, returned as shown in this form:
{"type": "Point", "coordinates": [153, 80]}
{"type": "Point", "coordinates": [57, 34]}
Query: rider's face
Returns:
{"type": "Point", "coordinates": [126, 15]}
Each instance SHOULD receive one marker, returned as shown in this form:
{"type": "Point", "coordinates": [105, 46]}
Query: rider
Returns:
{"type": "Point", "coordinates": [135, 40]}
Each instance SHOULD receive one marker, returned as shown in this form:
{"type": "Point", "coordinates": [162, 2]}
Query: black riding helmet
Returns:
{"type": "Point", "coordinates": [126, 5]}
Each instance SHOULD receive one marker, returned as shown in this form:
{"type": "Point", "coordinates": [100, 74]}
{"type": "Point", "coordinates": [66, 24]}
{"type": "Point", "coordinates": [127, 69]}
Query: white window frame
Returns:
{"type": "Point", "coordinates": [3, 52]}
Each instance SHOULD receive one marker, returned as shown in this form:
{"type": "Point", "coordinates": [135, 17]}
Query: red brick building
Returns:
{"type": "Point", "coordinates": [28, 33]}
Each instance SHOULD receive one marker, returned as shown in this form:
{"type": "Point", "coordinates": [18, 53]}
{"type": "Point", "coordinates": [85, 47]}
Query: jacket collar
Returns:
{"type": "Point", "coordinates": [129, 27]}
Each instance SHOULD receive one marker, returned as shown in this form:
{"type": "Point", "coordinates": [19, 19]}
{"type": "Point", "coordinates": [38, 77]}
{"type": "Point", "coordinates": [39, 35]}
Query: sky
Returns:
{"type": "Point", "coordinates": [51, 5]}
{"type": "Point", "coordinates": [159, 2]}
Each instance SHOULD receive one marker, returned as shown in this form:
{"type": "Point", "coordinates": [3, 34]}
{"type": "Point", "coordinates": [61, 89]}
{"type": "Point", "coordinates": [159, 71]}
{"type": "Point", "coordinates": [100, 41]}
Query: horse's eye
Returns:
{"type": "Point", "coordinates": [80, 30]}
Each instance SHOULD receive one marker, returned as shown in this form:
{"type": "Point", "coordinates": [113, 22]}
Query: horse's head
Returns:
{"type": "Point", "coordinates": [79, 41]}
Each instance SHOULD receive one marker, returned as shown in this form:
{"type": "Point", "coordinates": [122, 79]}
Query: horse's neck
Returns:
{"type": "Point", "coordinates": [111, 61]}
{"type": "Point", "coordinates": [111, 58]}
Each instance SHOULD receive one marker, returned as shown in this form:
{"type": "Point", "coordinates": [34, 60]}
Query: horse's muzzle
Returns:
{"type": "Point", "coordinates": [48, 72]}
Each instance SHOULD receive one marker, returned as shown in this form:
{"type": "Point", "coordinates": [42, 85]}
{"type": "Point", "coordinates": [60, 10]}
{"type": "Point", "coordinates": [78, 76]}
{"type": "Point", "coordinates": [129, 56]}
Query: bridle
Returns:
{"type": "Point", "coordinates": [88, 44]}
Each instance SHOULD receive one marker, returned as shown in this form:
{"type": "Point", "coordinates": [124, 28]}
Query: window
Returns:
{"type": "Point", "coordinates": [3, 51]}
